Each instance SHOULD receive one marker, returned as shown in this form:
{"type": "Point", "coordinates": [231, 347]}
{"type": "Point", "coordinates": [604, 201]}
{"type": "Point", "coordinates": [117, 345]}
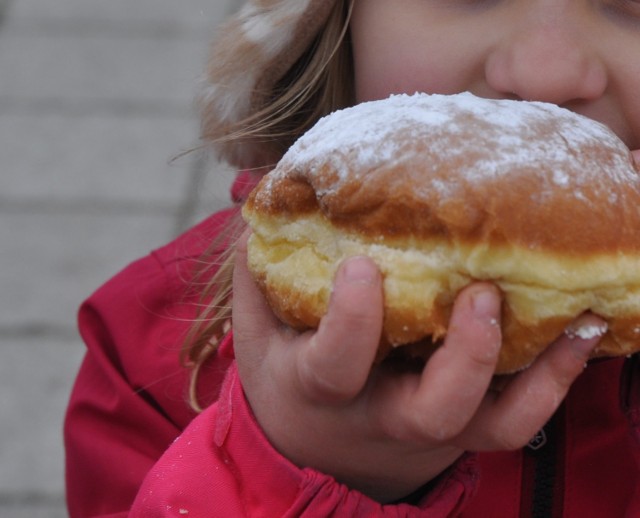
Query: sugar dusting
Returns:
{"type": "Point", "coordinates": [360, 139]}
{"type": "Point", "coordinates": [587, 331]}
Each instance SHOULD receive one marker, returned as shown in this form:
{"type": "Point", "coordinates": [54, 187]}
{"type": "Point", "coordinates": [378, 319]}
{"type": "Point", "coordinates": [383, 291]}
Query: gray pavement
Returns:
{"type": "Point", "coordinates": [95, 102]}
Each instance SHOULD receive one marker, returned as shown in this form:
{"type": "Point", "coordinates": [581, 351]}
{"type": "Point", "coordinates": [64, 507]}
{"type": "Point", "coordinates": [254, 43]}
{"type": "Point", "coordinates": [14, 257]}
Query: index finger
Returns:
{"type": "Point", "coordinates": [336, 363]}
{"type": "Point", "coordinates": [440, 403]}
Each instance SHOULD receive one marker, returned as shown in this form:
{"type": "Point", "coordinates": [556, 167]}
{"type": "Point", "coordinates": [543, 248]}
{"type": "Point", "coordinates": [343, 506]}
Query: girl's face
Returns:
{"type": "Point", "coordinates": [580, 54]}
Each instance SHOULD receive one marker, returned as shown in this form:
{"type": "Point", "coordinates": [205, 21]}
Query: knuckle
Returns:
{"type": "Point", "coordinates": [356, 316]}
{"type": "Point", "coordinates": [484, 359]}
{"type": "Point", "coordinates": [507, 443]}
{"type": "Point", "coordinates": [510, 438]}
{"type": "Point", "coordinates": [441, 428]}
{"type": "Point", "coordinates": [321, 384]}
{"type": "Point", "coordinates": [356, 306]}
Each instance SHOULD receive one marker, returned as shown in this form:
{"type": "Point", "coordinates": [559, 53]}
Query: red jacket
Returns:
{"type": "Point", "coordinates": [134, 448]}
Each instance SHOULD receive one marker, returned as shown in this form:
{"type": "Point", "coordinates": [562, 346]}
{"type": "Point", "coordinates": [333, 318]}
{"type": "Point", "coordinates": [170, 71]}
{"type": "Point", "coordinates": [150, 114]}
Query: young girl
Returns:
{"type": "Point", "coordinates": [301, 424]}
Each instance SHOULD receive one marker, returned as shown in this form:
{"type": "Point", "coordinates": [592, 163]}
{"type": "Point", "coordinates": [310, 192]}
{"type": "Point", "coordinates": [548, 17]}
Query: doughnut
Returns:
{"type": "Point", "coordinates": [444, 190]}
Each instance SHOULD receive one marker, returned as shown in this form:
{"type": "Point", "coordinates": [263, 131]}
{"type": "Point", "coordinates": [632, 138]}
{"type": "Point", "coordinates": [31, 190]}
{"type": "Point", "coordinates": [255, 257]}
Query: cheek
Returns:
{"type": "Point", "coordinates": [410, 66]}
{"type": "Point", "coordinates": [406, 47]}
{"type": "Point", "coordinates": [620, 106]}
{"type": "Point", "coordinates": [631, 111]}
{"type": "Point", "coordinates": [408, 75]}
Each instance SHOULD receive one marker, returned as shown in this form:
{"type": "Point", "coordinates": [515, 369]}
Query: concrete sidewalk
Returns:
{"type": "Point", "coordinates": [95, 101]}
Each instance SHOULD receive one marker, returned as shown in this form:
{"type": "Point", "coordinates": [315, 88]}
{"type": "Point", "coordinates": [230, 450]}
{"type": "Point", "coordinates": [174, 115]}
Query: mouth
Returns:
{"type": "Point", "coordinates": [611, 118]}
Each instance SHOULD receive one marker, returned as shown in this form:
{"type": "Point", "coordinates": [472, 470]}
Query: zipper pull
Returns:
{"type": "Point", "coordinates": [538, 441]}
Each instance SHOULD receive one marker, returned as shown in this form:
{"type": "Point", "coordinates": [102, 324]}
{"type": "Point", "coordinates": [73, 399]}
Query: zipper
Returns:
{"type": "Point", "coordinates": [542, 476]}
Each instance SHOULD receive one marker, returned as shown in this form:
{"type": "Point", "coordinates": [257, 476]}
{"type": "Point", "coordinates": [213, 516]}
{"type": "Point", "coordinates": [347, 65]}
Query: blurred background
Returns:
{"type": "Point", "coordinates": [95, 106]}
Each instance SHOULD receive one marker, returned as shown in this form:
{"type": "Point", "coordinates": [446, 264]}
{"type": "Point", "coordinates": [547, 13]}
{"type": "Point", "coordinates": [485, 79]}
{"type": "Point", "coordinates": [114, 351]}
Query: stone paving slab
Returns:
{"type": "Point", "coordinates": [87, 68]}
{"type": "Point", "coordinates": [31, 450]}
{"type": "Point", "coordinates": [188, 12]}
{"type": "Point", "coordinates": [211, 188]}
{"type": "Point", "coordinates": [67, 256]}
{"type": "Point", "coordinates": [33, 508]}
{"type": "Point", "coordinates": [95, 99]}
{"type": "Point", "coordinates": [56, 158]}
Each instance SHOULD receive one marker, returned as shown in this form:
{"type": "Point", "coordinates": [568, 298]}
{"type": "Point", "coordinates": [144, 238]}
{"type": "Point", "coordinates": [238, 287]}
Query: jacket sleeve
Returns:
{"type": "Point", "coordinates": [129, 400]}
{"type": "Point", "coordinates": [223, 465]}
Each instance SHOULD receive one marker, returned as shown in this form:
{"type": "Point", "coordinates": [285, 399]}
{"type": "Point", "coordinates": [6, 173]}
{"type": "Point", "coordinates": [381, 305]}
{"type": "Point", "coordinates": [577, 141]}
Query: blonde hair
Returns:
{"type": "Point", "coordinates": [320, 82]}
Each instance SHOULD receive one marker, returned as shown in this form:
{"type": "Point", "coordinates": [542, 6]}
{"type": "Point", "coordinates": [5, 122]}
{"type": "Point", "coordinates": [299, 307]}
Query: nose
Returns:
{"type": "Point", "coordinates": [549, 59]}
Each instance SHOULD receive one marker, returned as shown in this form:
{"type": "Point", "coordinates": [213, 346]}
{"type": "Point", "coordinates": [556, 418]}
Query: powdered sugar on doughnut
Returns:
{"type": "Point", "coordinates": [358, 140]}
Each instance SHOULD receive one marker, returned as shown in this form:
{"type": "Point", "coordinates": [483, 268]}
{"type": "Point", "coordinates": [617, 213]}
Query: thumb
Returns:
{"type": "Point", "coordinates": [336, 365]}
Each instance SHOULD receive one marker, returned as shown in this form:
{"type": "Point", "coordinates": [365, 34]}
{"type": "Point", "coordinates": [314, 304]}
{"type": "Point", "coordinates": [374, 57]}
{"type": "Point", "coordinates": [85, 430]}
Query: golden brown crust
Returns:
{"type": "Point", "coordinates": [543, 207]}
{"type": "Point", "coordinates": [532, 197]}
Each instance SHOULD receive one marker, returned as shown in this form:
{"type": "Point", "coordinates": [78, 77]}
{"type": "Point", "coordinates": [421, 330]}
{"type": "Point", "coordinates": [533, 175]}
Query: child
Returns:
{"type": "Point", "coordinates": [300, 424]}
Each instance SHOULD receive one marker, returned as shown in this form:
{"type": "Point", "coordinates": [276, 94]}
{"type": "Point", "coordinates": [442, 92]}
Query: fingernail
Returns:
{"type": "Point", "coordinates": [485, 304]}
{"type": "Point", "coordinates": [586, 327]}
{"type": "Point", "coordinates": [585, 330]}
{"type": "Point", "coordinates": [359, 270]}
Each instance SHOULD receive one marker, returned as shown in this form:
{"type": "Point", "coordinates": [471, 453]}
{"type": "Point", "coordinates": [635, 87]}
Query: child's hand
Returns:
{"type": "Point", "coordinates": [386, 432]}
